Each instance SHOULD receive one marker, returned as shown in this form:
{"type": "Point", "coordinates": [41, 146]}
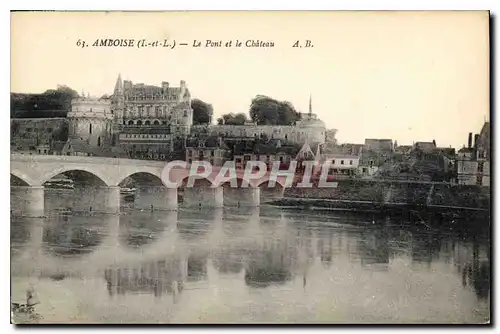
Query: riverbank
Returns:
{"type": "Point", "coordinates": [376, 194]}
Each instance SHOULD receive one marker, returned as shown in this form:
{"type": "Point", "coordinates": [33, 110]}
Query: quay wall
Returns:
{"type": "Point", "coordinates": [378, 194]}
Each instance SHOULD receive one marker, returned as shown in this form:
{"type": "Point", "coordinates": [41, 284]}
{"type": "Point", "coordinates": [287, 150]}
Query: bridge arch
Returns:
{"type": "Point", "coordinates": [268, 192]}
{"type": "Point", "coordinates": [19, 179]}
{"type": "Point", "coordinates": [141, 177]}
{"type": "Point", "coordinates": [198, 182]}
{"type": "Point", "coordinates": [239, 182]}
{"type": "Point", "coordinates": [265, 182]}
{"type": "Point", "coordinates": [79, 174]}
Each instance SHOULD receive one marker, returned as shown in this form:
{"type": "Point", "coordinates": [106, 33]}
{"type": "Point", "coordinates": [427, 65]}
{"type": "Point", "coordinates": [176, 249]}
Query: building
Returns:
{"type": "Point", "coordinates": [378, 145]}
{"type": "Point", "coordinates": [466, 166]}
{"type": "Point", "coordinates": [483, 154]}
{"type": "Point", "coordinates": [211, 149]}
{"type": "Point", "coordinates": [342, 164]}
{"type": "Point", "coordinates": [149, 119]}
{"type": "Point", "coordinates": [90, 124]}
{"type": "Point", "coordinates": [473, 162]}
{"type": "Point", "coordinates": [268, 152]}
{"type": "Point", "coordinates": [308, 129]}
{"type": "Point", "coordinates": [425, 146]}
{"type": "Point", "coordinates": [141, 121]}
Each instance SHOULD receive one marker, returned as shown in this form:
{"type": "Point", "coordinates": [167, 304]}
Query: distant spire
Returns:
{"type": "Point", "coordinates": [119, 85]}
{"type": "Point", "coordinates": [310, 105]}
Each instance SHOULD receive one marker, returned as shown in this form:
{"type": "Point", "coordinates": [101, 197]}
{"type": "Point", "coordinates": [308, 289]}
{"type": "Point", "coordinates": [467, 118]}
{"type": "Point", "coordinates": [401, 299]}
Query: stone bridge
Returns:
{"type": "Point", "coordinates": [97, 184]}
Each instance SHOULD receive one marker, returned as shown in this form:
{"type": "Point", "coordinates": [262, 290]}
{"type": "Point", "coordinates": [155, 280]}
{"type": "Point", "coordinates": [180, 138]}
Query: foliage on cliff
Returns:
{"type": "Point", "coordinates": [201, 111]}
{"type": "Point", "coordinates": [268, 111]}
{"type": "Point", "coordinates": [51, 103]}
{"type": "Point", "coordinates": [232, 119]}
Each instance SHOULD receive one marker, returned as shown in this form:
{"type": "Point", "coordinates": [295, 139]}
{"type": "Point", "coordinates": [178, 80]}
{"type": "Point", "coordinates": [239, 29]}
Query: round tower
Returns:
{"type": "Point", "coordinates": [90, 120]}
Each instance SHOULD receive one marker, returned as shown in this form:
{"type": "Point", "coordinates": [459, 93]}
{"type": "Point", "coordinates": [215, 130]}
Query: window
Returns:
{"type": "Point", "coordinates": [156, 123]}
{"type": "Point", "coordinates": [480, 167]}
{"type": "Point", "coordinates": [49, 130]}
{"type": "Point", "coordinates": [350, 162]}
{"type": "Point", "coordinates": [139, 122]}
{"type": "Point", "coordinates": [90, 128]}
{"type": "Point", "coordinates": [212, 153]}
{"type": "Point", "coordinates": [130, 122]}
{"type": "Point", "coordinates": [371, 163]}
{"type": "Point", "coordinates": [341, 162]}
{"type": "Point", "coordinates": [98, 141]}
{"type": "Point", "coordinates": [365, 170]}
{"type": "Point", "coordinates": [147, 123]}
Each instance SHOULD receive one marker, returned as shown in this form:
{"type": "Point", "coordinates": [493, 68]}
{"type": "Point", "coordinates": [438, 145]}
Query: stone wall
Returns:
{"type": "Point", "coordinates": [26, 132]}
{"type": "Point", "coordinates": [294, 134]}
{"type": "Point", "coordinates": [399, 193]}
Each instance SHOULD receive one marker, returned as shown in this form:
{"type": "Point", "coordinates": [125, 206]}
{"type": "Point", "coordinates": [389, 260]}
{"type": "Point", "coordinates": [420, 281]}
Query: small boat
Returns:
{"type": "Point", "coordinates": [127, 191]}
{"type": "Point", "coordinates": [25, 313]}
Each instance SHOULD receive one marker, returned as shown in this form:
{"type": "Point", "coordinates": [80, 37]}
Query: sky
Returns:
{"type": "Point", "coordinates": [406, 76]}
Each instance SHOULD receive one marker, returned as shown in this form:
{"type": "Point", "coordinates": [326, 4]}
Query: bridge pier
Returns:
{"type": "Point", "coordinates": [155, 198]}
{"type": "Point", "coordinates": [203, 197]}
{"type": "Point", "coordinates": [242, 197]}
{"type": "Point", "coordinates": [27, 201]}
{"type": "Point", "coordinates": [96, 199]}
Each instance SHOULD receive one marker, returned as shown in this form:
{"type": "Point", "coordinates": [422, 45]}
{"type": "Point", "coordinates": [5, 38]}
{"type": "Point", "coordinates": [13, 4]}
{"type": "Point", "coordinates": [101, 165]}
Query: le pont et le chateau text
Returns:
{"type": "Point", "coordinates": [168, 43]}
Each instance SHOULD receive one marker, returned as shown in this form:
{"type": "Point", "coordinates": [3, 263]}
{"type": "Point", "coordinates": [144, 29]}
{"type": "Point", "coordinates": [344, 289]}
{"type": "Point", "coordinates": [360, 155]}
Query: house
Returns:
{"type": "Point", "coordinates": [473, 162]}
{"type": "Point", "coordinates": [266, 151]}
{"type": "Point", "coordinates": [211, 149]}
{"type": "Point", "coordinates": [425, 146]}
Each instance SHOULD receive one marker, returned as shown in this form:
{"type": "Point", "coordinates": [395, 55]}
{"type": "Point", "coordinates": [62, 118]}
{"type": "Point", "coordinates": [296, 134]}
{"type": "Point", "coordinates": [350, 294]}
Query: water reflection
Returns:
{"type": "Point", "coordinates": [197, 267]}
{"type": "Point", "coordinates": [374, 248]}
{"type": "Point", "coordinates": [75, 236]}
{"type": "Point", "coordinates": [270, 263]}
{"type": "Point", "coordinates": [223, 263]}
{"type": "Point", "coordinates": [154, 277]}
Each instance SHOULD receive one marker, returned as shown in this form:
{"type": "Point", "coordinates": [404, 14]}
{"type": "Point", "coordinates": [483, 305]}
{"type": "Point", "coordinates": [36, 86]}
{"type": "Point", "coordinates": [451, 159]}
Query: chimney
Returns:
{"type": "Point", "coordinates": [476, 139]}
{"type": "Point", "coordinates": [469, 143]}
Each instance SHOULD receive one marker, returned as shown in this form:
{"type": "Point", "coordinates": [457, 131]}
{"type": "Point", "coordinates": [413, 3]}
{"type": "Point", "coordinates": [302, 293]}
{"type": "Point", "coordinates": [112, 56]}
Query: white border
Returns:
{"type": "Point", "coordinates": [492, 5]}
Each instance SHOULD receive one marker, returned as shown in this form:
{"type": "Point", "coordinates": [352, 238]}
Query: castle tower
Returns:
{"type": "Point", "coordinates": [90, 121]}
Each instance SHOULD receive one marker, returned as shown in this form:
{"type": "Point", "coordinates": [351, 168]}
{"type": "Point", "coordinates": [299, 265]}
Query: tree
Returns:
{"type": "Point", "coordinates": [232, 119]}
{"type": "Point", "coordinates": [51, 103]}
{"type": "Point", "coordinates": [61, 134]}
{"type": "Point", "coordinates": [201, 111]}
{"type": "Point", "coordinates": [268, 111]}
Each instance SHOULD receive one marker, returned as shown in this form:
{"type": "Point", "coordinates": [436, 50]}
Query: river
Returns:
{"type": "Point", "coordinates": [260, 265]}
